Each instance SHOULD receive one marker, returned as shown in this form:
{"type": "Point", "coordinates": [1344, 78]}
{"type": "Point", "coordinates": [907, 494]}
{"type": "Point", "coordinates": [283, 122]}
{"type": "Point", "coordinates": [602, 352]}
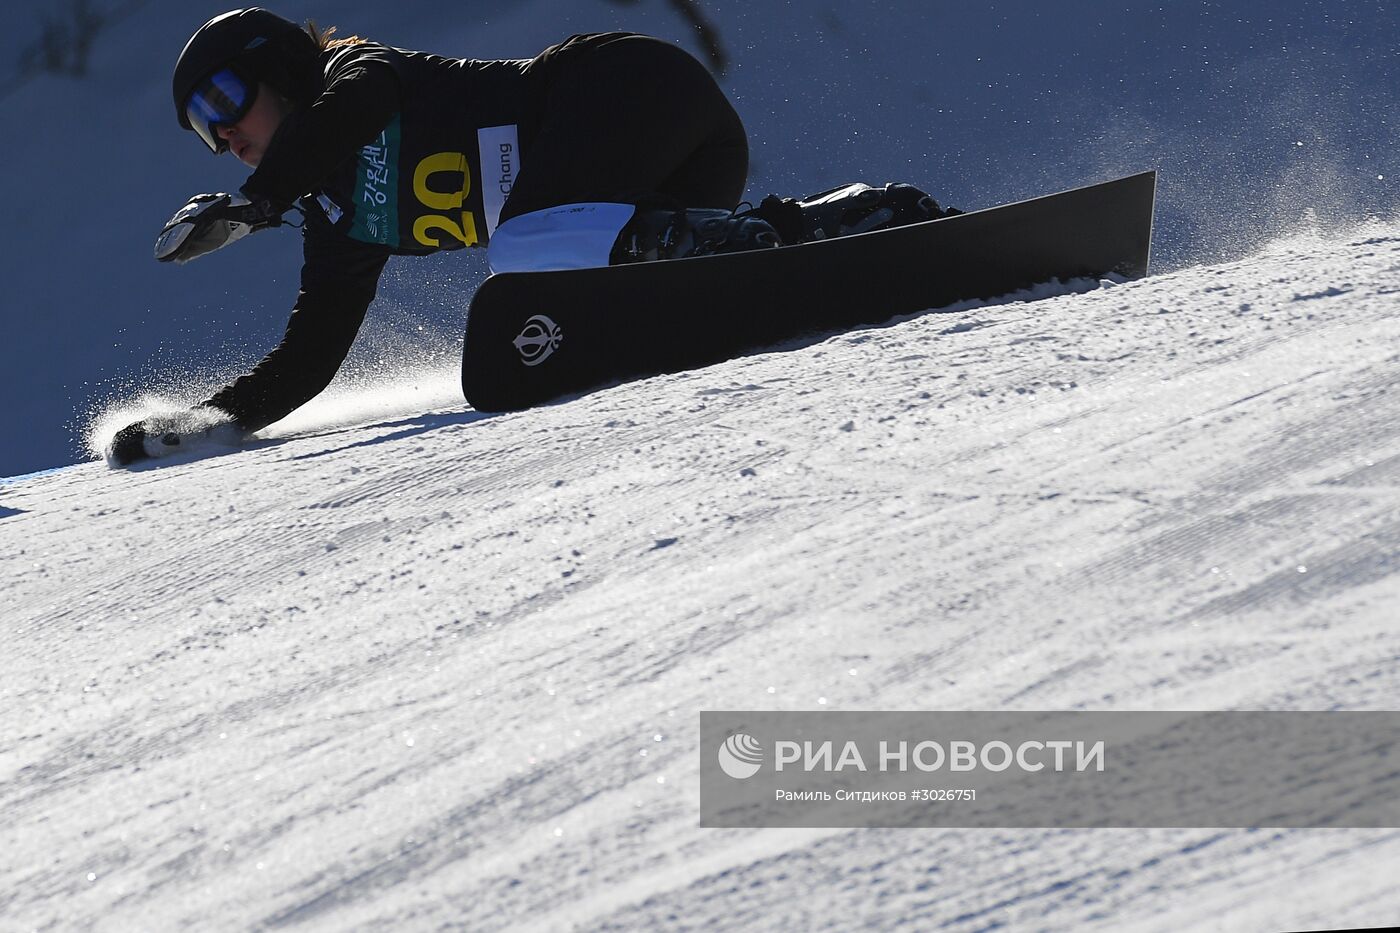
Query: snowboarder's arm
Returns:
{"type": "Point", "coordinates": [362, 94]}
{"type": "Point", "coordinates": [338, 282]}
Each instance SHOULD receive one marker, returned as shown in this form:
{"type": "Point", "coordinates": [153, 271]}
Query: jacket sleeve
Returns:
{"type": "Point", "coordinates": [339, 278]}
{"type": "Point", "coordinates": [361, 95]}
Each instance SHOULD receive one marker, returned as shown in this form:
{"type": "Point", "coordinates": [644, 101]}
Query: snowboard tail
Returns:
{"type": "Point", "coordinates": [534, 336]}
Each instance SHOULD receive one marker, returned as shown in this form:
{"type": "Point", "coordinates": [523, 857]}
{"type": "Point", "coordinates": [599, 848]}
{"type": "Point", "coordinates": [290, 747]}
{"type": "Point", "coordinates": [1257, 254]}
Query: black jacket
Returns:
{"type": "Point", "coordinates": [401, 153]}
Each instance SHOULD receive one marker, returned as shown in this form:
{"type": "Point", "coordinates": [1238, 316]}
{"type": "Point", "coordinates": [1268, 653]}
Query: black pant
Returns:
{"type": "Point", "coordinates": [631, 119]}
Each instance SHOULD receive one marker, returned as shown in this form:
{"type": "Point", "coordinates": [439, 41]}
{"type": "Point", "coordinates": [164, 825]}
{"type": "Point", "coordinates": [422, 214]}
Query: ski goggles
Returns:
{"type": "Point", "coordinates": [222, 99]}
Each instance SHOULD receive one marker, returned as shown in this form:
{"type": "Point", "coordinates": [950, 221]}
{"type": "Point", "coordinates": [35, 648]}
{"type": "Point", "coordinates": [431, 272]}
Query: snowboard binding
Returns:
{"type": "Point", "coordinates": [677, 234]}
{"type": "Point", "coordinates": [847, 210]}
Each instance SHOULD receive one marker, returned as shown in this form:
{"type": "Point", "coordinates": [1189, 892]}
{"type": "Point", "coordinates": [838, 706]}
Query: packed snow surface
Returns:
{"type": "Point", "coordinates": [442, 668]}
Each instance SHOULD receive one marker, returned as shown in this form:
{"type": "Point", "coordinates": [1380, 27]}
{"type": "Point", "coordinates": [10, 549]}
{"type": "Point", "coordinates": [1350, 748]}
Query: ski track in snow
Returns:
{"type": "Point", "coordinates": [445, 669]}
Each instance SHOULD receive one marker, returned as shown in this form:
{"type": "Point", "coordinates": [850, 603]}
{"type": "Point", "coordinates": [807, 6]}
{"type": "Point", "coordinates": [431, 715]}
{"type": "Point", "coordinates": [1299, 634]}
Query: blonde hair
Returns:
{"type": "Point", "coordinates": [323, 40]}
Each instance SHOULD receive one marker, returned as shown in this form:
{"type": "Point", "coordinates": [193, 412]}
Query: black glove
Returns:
{"type": "Point", "coordinates": [210, 221]}
{"type": "Point", "coordinates": [169, 433]}
{"type": "Point", "coordinates": [129, 444]}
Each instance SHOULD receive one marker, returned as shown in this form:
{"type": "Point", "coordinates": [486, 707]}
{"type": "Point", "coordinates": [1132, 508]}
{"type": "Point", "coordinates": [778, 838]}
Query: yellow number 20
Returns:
{"type": "Point", "coordinates": [452, 163]}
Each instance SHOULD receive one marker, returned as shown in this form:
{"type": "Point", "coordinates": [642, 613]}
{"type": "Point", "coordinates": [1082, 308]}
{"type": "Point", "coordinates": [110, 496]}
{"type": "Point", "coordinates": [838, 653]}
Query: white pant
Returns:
{"type": "Point", "coordinates": [571, 236]}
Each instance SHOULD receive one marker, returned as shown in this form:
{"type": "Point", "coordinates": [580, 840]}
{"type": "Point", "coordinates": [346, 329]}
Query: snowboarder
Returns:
{"type": "Point", "coordinates": [604, 149]}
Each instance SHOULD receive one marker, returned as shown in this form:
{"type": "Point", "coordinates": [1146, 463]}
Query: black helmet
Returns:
{"type": "Point", "coordinates": [261, 45]}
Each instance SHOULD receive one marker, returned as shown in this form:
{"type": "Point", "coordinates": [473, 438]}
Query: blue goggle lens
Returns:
{"type": "Point", "coordinates": [222, 99]}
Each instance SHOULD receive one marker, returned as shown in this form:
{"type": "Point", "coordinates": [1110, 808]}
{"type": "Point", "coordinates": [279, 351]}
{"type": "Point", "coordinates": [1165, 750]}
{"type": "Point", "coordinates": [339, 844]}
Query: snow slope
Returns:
{"type": "Point", "coordinates": [442, 669]}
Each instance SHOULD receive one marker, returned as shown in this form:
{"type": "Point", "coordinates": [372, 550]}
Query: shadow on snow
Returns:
{"type": "Point", "coordinates": [409, 427]}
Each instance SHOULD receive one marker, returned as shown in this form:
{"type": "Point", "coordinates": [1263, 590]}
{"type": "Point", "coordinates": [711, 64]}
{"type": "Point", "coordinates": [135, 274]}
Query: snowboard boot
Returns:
{"type": "Point", "coordinates": [848, 209]}
{"type": "Point", "coordinates": [675, 234]}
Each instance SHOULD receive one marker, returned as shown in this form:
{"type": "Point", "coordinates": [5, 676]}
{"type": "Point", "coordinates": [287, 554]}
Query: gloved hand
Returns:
{"type": "Point", "coordinates": [210, 221]}
{"type": "Point", "coordinates": [161, 435]}
{"type": "Point", "coordinates": [128, 446]}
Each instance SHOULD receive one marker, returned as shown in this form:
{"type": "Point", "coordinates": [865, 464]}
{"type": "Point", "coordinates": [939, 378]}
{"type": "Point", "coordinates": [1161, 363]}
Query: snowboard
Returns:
{"type": "Point", "coordinates": [535, 336]}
